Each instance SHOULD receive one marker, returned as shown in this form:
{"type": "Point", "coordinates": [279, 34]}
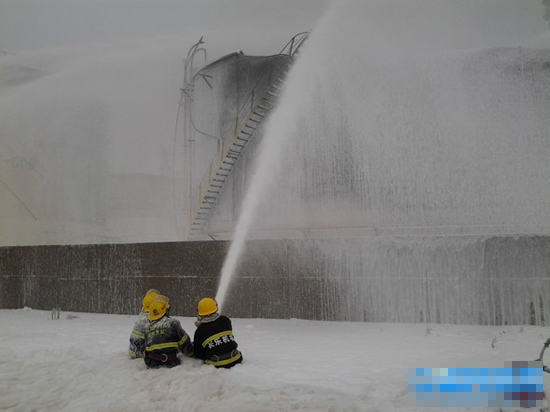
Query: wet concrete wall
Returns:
{"type": "Point", "coordinates": [464, 280]}
{"type": "Point", "coordinates": [108, 278]}
{"type": "Point", "coordinates": [460, 280]}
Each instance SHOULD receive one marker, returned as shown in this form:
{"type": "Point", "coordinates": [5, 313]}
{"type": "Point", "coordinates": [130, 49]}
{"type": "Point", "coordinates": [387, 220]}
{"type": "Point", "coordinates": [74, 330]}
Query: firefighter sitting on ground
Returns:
{"type": "Point", "coordinates": [214, 341]}
{"type": "Point", "coordinates": [137, 337]}
{"type": "Point", "coordinates": [164, 336]}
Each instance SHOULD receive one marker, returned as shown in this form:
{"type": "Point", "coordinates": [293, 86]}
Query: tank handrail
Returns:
{"type": "Point", "coordinates": [291, 48]}
{"type": "Point", "coordinates": [215, 63]}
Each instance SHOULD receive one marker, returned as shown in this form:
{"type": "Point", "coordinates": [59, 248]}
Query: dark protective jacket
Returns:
{"type": "Point", "coordinates": [137, 337]}
{"type": "Point", "coordinates": [163, 338]}
{"type": "Point", "coordinates": [214, 342]}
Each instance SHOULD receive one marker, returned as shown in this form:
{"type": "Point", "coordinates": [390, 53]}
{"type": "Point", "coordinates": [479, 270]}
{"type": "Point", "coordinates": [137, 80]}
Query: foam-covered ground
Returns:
{"type": "Point", "coordinates": [79, 363]}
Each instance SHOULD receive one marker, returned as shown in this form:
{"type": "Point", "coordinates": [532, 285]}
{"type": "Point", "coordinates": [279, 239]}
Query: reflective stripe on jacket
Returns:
{"type": "Point", "coordinates": [166, 336]}
{"type": "Point", "coordinates": [137, 337]}
{"type": "Point", "coordinates": [214, 338]}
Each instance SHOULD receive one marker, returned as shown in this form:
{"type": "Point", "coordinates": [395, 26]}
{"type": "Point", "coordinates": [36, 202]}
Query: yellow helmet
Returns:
{"type": "Point", "coordinates": [149, 296]}
{"type": "Point", "coordinates": [158, 308]}
{"type": "Point", "coordinates": [207, 306]}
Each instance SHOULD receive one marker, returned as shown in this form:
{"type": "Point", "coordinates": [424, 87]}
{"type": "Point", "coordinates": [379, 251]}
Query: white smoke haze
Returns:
{"type": "Point", "coordinates": [102, 112]}
{"type": "Point", "coordinates": [409, 118]}
{"type": "Point", "coordinates": [87, 146]}
{"type": "Point", "coordinates": [88, 102]}
{"type": "Point", "coordinates": [416, 114]}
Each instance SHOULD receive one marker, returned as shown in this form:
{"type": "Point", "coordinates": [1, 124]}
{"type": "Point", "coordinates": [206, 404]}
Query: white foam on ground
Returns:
{"type": "Point", "coordinates": [81, 364]}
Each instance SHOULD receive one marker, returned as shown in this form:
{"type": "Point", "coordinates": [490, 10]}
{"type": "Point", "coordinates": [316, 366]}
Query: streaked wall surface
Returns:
{"type": "Point", "coordinates": [504, 280]}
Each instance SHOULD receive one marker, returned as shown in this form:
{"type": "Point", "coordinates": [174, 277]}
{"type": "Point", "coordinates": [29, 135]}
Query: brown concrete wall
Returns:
{"type": "Point", "coordinates": [109, 278]}
{"type": "Point", "coordinates": [465, 280]}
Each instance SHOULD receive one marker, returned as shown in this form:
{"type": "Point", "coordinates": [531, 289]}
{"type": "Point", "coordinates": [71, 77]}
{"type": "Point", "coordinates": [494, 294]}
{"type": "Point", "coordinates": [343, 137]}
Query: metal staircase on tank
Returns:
{"type": "Point", "coordinates": [229, 152]}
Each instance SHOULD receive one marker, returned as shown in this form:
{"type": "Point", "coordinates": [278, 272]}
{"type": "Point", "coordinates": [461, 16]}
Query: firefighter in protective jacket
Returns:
{"type": "Point", "coordinates": [214, 341]}
{"type": "Point", "coordinates": [164, 336]}
{"type": "Point", "coordinates": [137, 337]}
